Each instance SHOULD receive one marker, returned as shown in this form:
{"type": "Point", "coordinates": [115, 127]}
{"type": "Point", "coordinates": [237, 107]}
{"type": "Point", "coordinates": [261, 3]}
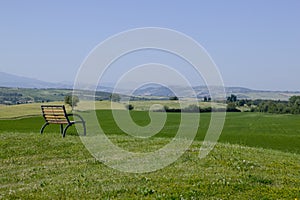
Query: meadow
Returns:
{"type": "Point", "coordinates": [257, 157]}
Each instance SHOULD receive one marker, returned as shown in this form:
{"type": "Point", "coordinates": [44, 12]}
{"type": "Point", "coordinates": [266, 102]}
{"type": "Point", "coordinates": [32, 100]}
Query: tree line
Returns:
{"type": "Point", "coordinates": [292, 106]}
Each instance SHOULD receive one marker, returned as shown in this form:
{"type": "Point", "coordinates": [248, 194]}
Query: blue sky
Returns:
{"type": "Point", "coordinates": [255, 44]}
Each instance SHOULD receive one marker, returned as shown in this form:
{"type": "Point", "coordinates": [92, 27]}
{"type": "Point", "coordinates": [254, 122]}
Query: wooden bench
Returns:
{"type": "Point", "coordinates": [58, 115]}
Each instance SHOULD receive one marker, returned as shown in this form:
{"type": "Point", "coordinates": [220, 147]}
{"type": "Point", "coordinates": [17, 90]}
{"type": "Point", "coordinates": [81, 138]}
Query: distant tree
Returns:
{"type": "Point", "coordinates": [174, 98]}
{"type": "Point", "coordinates": [293, 99]}
{"type": "Point", "coordinates": [295, 108]}
{"type": "Point", "coordinates": [263, 106]}
{"type": "Point", "coordinates": [241, 102]}
{"type": "Point", "coordinates": [272, 107]}
{"type": "Point", "coordinates": [115, 97]}
{"type": "Point", "coordinates": [129, 107]}
{"type": "Point", "coordinates": [282, 108]}
{"type": "Point", "coordinates": [207, 99]}
{"type": "Point", "coordinates": [71, 100]}
{"type": "Point", "coordinates": [232, 98]}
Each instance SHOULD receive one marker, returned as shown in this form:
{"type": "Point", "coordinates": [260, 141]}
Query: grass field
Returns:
{"type": "Point", "coordinates": [258, 157]}
{"type": "Point", "coordinates": [25, 110]}
{"type": "Point", "coordinates": [34, 109]}
{"type": "Point", "coordinates": [145, 105]}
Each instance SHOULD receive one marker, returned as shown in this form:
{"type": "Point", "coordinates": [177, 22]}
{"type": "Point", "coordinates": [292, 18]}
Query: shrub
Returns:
{"type": "Point", "coordinates": [71, 100]}
{"type": "Point", "coordinates": [174, 98]}
{"type": "Point", "coordinates": [129, 107]}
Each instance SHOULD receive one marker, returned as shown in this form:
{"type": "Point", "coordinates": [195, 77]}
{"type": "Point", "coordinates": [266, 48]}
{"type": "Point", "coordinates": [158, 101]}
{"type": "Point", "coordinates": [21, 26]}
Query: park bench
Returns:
{"type": "Point", "coordinates": [56, 114]}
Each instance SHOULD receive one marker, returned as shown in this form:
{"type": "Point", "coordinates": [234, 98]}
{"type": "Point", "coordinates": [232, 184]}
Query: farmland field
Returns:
{"type": "Point", "coordinates": [258, 157]}
{"type": "Point", "coordinates": [278, 132]}
{"type": "Point", "coordinates": [34, 109]}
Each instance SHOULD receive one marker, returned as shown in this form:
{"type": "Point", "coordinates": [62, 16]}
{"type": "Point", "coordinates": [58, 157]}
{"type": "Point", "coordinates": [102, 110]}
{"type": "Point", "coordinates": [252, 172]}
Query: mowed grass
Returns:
{"type": "Point", "coordinates": [49, 167]}
{"type": "Point", "coordinates": [278, 132]}
{"type": "Point", "coordinates": [25, 110]}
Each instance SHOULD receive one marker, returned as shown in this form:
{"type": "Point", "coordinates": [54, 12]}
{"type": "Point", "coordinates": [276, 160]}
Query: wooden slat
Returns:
{"type": "Point", "coordinates": [54, 114]}
{"type": "Point", "coordinates": [53, 106]}
{"type": "Point", "coordinates": [54, 117]}
{"type": "Point", "coordinates": [49, 110]}
{"type": "Point", "coordinates": [58, 121]}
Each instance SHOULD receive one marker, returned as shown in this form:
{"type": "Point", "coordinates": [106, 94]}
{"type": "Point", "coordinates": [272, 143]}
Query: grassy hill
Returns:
{"type": "Point", "coordinates": [257, 158]}
{"type": "Point", "coordinates": [49, 167]}
{"type": "Point", "coordinates": [202, 91]}
{"type": "Point", "coordinates": [272, 131]}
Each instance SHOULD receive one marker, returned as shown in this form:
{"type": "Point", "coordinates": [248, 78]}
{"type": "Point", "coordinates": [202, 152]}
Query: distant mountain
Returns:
{"type": "Point", "coordinates": [10, 80]}
{"type": "Point", "coordinates": [154, 91]}
{"type": "Point", "coordinates": [148, 90]}
{"type": "Point", "coordinates": [202, 91]}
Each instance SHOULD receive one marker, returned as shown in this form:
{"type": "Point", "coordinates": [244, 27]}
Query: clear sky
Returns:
{"type": "Point", "coordinates": [255, 44]}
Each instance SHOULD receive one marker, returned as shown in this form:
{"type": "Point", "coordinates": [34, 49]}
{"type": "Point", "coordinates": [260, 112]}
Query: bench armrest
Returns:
{"type": "Point", "coordinates": [77, 115]}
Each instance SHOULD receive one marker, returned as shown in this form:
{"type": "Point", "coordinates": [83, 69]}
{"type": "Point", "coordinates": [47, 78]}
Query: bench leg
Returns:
{"type": "Point", "coordinates": [43, 127]}
{"type": "Point", "coordinates": [65, 130]}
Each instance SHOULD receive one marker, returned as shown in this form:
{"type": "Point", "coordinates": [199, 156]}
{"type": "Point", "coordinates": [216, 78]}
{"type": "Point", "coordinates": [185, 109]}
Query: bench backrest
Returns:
{"type": "Point", "coordinates": [55, 114]}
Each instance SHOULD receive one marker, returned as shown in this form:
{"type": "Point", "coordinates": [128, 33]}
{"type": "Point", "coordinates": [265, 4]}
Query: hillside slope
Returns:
{"type": "Point", "coordinates": [49, 167]}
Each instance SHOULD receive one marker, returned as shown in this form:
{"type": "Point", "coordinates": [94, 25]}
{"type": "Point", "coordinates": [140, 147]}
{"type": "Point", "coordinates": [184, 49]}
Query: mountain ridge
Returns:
{"type": "Point", "coordinates": [11, 80]}
{"type": "Point", "coordinates": [15, 81]}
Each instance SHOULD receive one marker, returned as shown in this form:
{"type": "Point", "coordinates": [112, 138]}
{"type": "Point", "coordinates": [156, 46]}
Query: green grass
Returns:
{"type": "Point", "coordinates": [258, 157]}
{"type": "Point", "coordinates": [278, 132]}
{"type": "Point", "coordinates": [49, 167]}
{"type": "Point", "coordinates": [25, 110]}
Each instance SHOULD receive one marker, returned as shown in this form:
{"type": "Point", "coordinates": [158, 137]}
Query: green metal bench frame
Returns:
{"type": "Point", "coordinates": [56, 114]}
